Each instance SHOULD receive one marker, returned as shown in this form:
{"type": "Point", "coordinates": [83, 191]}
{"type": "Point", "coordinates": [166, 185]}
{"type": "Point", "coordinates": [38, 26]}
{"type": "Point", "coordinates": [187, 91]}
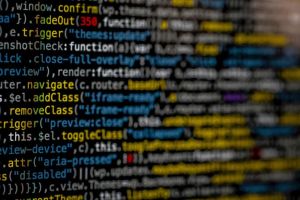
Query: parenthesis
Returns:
{"type": "Point", "coordinates": [77, 21]}
{"type": "Point", "coordinates": [126, 47]}
{"type": "Point", "coordinates": [10, 176]}
{"type": "Point", "coordinates": [24, 18]}
{"type": "Point", "coordinates": [40, 186]}
{"type": "Point", "coordinates": [19, 19]}
{"type": "Point", "coordinates": [27, 188]}
{"type": "Point", "coordinates": [6, 8]}
{"type": "Point", "coordinates": [4, 189]}
{"type": "Point", "coordinates": [76, 84]}
{"type": "Point", "coordinates": [0, 31]}
{"type": "Point", "coordinates": [86, 147]}
{"type": "Point", "coordinates": [34, 161]}
{"type": "Point", "coordinates": [116, 47]}
{"type": "Point", "coordinates": [48, 71]}
{"type": "Point", "coordinates": [66, 31]}
{"type": "Point", "coordinates": [41, 122]}
{"type": "Point", "coordinates": [1, 5]}
{"type": "Point", "coordinates": [91, 172]}
{"type": "Point", "coordinates": [76, 109]}
{"type": "Point", "coordinates": [81, 97]}
{"type": "Point", "coordinates": [16, 190]}
{"type": "Point", "coordinates": [33, 184]}
{"type": "Point", "coordinates": [125, 134]}
{"type": "Point", "coordinates": [86, 195]}
{"type": "Point", "coordinates": [22, 188]}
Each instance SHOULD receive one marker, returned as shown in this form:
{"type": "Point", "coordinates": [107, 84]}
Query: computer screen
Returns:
{"type": "Point", "coordinates": [149, 99]}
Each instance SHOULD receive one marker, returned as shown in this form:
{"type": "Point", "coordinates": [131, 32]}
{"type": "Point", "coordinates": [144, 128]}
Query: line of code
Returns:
{"type": "Point", "coordinates": [149, 99]}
